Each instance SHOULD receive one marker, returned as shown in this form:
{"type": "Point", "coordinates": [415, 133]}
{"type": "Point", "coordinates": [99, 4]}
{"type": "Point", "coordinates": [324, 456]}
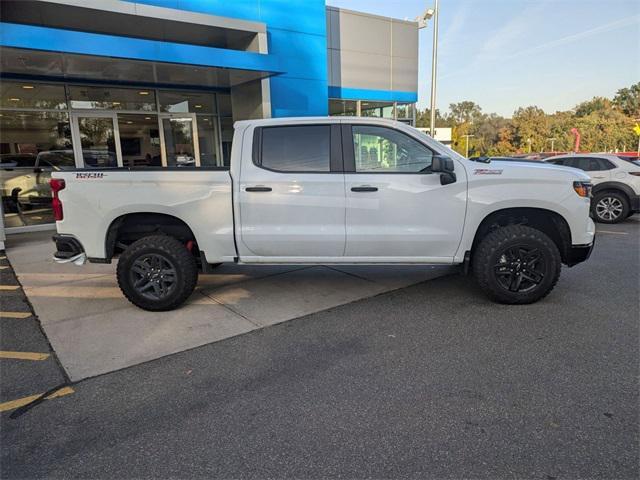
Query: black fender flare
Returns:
{"type": "Point", "coordinates": [626, 189]}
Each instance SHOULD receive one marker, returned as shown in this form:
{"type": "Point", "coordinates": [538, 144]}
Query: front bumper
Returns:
{"type": "Point", "coordinates": [635, 204]}
{"type": "Point", "coordinates": [68, 250]}
{"type": "Point", "coordinates": [579, 253]}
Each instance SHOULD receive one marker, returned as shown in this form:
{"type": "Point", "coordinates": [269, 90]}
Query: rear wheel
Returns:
{"type": "Point", "coordinates": [610, 207]}
{"type": "Point", "coordinates": [157, 273]}
{"type": "Point", "coordinates": [517, 264]}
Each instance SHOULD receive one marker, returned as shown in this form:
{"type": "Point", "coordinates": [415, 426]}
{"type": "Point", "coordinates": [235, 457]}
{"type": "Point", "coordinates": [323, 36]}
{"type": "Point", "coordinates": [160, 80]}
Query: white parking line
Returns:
{"type": "Point", "coordinates": [612, 232]}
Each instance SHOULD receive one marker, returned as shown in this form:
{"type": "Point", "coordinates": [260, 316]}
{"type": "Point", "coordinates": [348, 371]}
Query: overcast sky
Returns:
{"type": "Point", "coordinates": [503, 54]}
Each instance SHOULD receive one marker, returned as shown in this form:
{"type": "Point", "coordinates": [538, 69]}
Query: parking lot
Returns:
{"type": "Point", "coordinates": [428, 381]}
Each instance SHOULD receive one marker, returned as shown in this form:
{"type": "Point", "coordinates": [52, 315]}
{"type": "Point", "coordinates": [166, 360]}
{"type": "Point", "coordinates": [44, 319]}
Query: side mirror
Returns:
{"type": "Point", "coordinates": [444, 166]}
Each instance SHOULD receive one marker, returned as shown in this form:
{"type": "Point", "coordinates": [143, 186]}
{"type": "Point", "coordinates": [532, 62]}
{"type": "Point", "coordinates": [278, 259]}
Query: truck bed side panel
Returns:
{"type": "Point", "coordinates": [200, 198]}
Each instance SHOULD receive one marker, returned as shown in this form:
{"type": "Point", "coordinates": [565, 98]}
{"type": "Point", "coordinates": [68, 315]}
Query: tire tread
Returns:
{"type": "Point", "coordinates": [494, 241]}
{"type": "Point", "coordinates": [184, 262]}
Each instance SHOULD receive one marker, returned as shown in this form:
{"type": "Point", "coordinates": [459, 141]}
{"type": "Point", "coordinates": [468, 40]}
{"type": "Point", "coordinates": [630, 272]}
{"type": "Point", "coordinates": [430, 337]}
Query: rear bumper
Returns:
{"type": "Point", "coordinates": [579, 253]}
{"type": "Point", "coordinates": [67, 247]}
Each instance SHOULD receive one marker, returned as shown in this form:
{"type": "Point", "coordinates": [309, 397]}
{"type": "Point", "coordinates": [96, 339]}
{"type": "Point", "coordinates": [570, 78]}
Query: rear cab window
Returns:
{"type": "Point", "coordinates": [294, 148]}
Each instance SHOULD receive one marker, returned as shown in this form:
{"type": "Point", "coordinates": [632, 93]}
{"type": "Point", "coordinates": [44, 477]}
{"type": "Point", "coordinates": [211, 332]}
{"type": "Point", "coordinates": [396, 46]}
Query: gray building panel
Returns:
{"type": "Point", "coordinates": [371, 52]}
{"type": "Point", "coordinates": [365, 70]}
{"type": "Point", "coordinates": [404, 77]}
{"type": "Point", "coordinates": [404, 40]}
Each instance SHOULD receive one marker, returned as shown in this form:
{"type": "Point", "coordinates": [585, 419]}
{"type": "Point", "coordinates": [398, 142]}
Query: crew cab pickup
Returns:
{"type": "Point", "coordinates": [330, 190]}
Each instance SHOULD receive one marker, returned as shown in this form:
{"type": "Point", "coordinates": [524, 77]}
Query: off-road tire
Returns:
{"type": "Point", "coordinates": [175, 254]}
{"type": "Point", "coordinates": [493, 250]}
{"type": "Point", "coordinates": [615, 197]}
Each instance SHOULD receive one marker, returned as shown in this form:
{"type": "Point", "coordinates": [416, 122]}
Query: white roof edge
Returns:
{"type": "Point", "coordinates": [372, 15]}
{"type": "Point", "coordinates": [327, 119]}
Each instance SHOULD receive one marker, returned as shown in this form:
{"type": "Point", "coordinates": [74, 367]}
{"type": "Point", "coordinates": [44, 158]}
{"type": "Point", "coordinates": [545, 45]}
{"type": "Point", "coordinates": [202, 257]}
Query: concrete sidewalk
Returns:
{"type": "Point", "coordinates": [95, 330]}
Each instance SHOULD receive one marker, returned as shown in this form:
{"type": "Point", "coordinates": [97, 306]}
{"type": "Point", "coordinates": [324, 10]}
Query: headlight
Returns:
{"type": "Point", "coordinates": [583, 189]}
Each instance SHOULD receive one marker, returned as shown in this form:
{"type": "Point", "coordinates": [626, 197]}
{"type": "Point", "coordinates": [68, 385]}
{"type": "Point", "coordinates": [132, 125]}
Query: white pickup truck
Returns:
{"type": "Point", "coordinates": [330, 190]}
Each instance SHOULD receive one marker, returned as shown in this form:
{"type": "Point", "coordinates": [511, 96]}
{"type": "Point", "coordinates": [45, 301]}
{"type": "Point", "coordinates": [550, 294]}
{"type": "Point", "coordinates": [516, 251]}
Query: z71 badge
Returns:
{"type": "Point", "coordinates": [89, 175]}
{"type": "Point", "coordinates": [487, 171]}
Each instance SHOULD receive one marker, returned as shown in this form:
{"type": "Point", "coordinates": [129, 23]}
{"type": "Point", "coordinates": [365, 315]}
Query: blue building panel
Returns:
{"type": "Point", "coordinates": [372, 95]}
{"type": "Point", "coordinates": [297, 36]}
{"type": "Point", "coordinates": [297, 50]}
{"type": "Point", "coordinates": [69, 41]}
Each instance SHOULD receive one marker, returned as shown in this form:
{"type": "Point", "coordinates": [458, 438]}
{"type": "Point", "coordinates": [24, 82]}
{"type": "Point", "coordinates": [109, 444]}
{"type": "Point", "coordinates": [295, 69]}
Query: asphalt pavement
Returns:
{"type": "Point", "coordinates": [430, 381]}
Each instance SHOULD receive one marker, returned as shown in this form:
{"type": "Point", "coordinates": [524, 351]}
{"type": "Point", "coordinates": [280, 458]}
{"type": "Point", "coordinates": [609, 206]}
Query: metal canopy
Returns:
{"type": "Point", "coordinates": [35, 63]}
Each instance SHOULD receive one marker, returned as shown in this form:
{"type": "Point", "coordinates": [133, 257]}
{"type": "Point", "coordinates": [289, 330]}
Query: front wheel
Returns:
{"type": "Point", "coordinates": [517, 264]}
{"type": "Point", "coordinates": [157, 273]}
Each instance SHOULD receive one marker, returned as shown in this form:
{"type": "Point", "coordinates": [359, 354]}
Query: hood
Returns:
{"type": "Point", "coordinates": [524, 170]}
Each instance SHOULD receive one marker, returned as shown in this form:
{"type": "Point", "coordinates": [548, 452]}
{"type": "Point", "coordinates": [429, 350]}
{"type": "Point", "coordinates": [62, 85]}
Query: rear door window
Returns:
{"type": "Point", "coordinates": [305, 148]}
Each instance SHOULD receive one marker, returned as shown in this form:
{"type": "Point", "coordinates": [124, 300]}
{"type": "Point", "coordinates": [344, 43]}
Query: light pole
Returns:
{"type": "Point", "coordinates": [467, 137]}
{"type": "Point", "coordinates": [422, 23]}
{"type": "Point", "coordinates": [553, 142]}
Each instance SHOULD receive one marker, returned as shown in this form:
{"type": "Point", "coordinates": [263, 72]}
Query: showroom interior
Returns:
{"type": "Point", "coordinates": [154, 84]}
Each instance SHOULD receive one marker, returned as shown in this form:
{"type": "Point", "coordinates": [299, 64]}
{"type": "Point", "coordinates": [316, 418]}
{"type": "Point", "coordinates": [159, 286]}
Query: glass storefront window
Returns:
{"type": "Point", "coordinates": [179, 141]}
{"type": "Point", "coordinates": [376, 109]}
{"type": "Point", "coordinates": [107, 98]}
{"type": "Point", "coordinates": [98, 141]}
{"type": "Point", "coordinates": [343, 107]}
{"type": "Point", "coordinates": [139, 140]}
{"type": "Point", "coordinates": [226, 138]}
{"type": "Point", "coordinates": [224, 105]}
{"type": "Point", "coordinates": [185, 102]}
{"type": "Point", "coordinates": [208, 140]}
{"type": "Point", "coordinates": [32, 95]}
{"type": "Point", "coordinates": [404, 110]}
{"type": "Point", "coordinates": [33, 144]}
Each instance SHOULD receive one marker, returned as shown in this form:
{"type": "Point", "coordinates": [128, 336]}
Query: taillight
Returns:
{"type": "Point", "coordinates": [57, 184]}
{"type": "Point", "coordinates": [582, 188]}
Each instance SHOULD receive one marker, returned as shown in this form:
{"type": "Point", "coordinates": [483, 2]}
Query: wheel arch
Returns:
{"type": "Point", "coordinates": [615, 187]}
{"type": "Point", "coordinates": [548, 222]}
{"type": "Point", "coordinates": [129, 227]}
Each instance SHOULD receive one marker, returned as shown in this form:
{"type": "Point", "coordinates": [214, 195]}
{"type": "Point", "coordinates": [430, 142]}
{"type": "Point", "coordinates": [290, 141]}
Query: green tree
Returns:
{"type": "Point", "coordinates": [628, 100]}
{"type": "Point", "coordinates": [466, 111]}
{"type": "Point", "coordinates": [531, 129]}
{"type": "Point", "coordinates": [594, 105]}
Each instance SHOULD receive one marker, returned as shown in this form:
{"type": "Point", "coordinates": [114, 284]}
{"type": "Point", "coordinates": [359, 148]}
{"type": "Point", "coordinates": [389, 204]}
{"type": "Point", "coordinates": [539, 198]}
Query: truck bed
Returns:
{"type": "Point", "coordinates": [92, 200]}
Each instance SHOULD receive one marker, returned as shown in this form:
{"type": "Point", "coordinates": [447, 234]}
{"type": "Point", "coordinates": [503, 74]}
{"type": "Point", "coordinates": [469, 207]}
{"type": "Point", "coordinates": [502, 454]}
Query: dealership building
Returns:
{"type": "Point", "coordinates": [159, 83]}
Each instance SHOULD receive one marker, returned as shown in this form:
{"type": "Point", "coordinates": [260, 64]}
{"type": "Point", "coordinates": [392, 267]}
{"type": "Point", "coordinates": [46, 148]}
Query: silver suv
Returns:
{"type": "Point", "coordinates": [616, 183]}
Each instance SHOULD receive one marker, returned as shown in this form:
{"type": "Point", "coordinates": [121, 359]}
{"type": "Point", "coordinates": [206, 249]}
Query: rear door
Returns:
{"type": "Point", "coordinates": [292, 194]}
{"type": "Point", "coordinates": [397, 209]}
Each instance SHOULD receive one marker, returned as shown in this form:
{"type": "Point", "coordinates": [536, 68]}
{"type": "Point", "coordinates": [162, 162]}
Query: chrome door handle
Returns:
{"type": "Point", "coordinates": [364, 189]}
{"type": "Point", "coordinates": [257, 189]}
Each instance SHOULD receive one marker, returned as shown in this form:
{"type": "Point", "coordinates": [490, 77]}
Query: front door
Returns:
{"type": "Point", "coordinates": [397, 209]}
{"type": "Point", "coordinates": [179, 139]}
{"type": "Point", "coordinates": [96, 142]}
{"type": "Point", "coordinates": [291, 198]}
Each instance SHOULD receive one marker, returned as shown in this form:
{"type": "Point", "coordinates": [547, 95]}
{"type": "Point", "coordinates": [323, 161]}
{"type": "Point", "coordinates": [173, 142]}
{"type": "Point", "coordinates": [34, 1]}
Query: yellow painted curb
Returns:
{"type": "Point", "coordinates": [13, 404]}
{"type": "Point", "coordinates": [15, 314]}
{"type": "Point", "coordinates": [24, 355]}
{"type": "Point", "coordinates": [9, 287]}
